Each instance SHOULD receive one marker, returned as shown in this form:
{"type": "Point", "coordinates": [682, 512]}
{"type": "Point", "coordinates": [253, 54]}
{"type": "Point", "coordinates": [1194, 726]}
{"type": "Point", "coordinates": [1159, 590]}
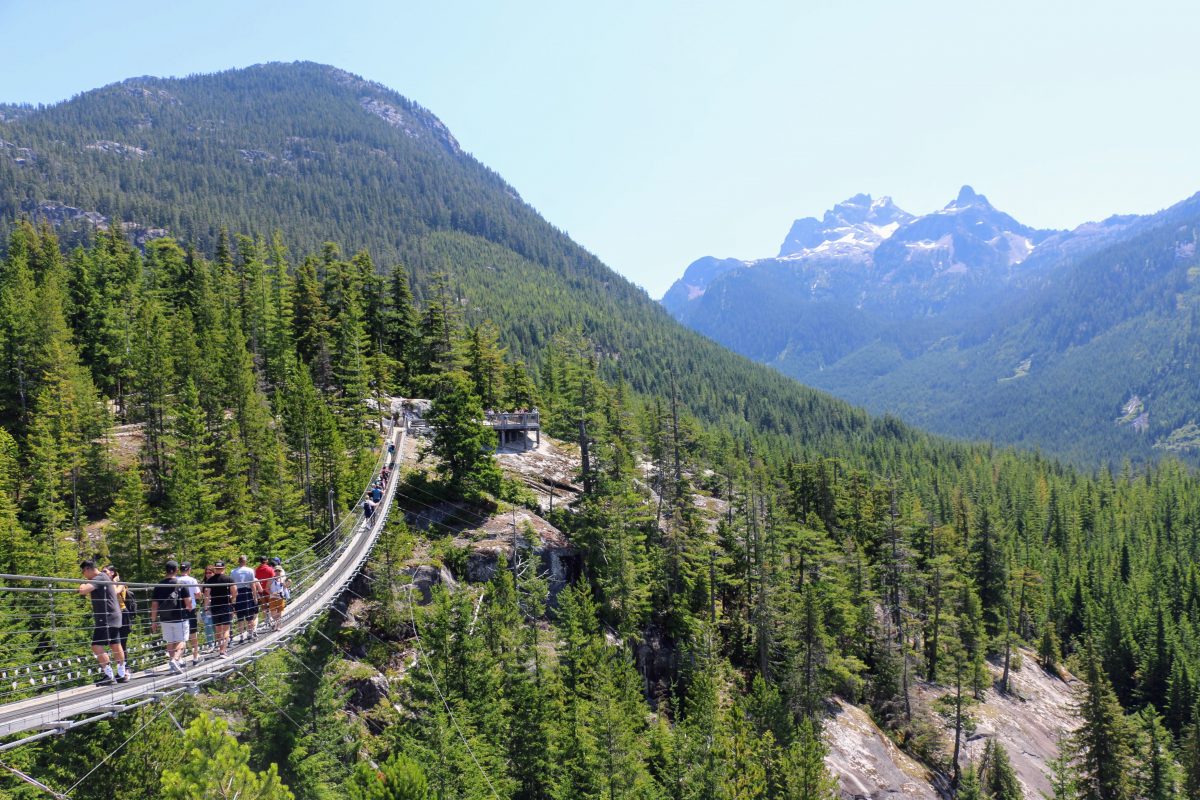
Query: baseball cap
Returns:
{"type": "Point", "coordinates": [219, 564]}
{"type": "Point", "coordinates": [185, 566]}
{"type": "Point", "coordinates": [172, 566]}
{"type": "Point", "coordinates": [276, 561]}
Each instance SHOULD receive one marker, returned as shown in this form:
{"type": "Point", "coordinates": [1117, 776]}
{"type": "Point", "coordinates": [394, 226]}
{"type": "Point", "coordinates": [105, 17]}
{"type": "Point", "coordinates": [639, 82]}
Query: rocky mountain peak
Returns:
{"type": "Point", "coordinates": [853, 228]}
{"type": "Point", "coordinates": [968, 197]}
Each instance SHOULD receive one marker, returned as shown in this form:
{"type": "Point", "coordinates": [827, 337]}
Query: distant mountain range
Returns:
{"type": "Point", "coordinates": [970, 323]}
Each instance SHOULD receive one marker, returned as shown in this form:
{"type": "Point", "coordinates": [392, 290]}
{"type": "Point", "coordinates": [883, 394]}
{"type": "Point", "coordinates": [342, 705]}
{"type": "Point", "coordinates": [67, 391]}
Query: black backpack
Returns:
{"type": "Point", "coordinates": [170, 607]}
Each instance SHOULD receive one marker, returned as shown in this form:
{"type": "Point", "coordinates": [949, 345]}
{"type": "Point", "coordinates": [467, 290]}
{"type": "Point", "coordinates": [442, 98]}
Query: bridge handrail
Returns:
{"type": "Point", "coordinates": [316, 583]}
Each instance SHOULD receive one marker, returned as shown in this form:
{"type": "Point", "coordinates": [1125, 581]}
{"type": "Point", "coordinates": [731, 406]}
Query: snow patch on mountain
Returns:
{"type": "Point", "coordinates": [851, 229]}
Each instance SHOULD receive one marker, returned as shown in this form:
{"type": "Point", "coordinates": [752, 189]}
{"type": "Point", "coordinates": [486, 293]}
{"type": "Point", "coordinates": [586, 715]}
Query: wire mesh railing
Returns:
{"type": "Point", "coordinates": [45, 635]}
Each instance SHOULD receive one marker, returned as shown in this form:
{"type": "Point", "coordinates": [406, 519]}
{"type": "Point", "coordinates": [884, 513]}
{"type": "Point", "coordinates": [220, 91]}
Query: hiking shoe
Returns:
{"type": "Point", "coordinates": [175, 666]}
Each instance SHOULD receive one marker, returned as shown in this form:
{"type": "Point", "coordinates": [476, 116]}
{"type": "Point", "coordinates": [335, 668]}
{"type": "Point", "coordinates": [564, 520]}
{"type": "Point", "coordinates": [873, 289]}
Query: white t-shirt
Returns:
{"type": "Point", "coordinates": [193, 588]}
{"type": "Point", "coordinates": [244, 578]}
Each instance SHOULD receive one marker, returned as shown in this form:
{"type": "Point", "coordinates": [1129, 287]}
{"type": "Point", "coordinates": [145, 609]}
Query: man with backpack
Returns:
{"type": "Point", "coordinates": [173, 603]}
{"type": "Point", "coordinates": [129, 608]}
{"type": "Point", "coordinates": [106, 622]}
{"type": "Point", "coordinates": [220, 594]}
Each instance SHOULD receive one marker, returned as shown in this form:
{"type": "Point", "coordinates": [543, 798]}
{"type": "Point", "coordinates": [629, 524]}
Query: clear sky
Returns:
{"type": "Point", "coordinates": [655, 132]}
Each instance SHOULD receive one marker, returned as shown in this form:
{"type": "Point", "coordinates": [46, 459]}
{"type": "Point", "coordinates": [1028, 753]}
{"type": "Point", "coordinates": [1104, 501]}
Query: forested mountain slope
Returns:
{"type": "Point", "coordinates": [748, 553]}
{"type": "Point", "coordinates": [321, 155]}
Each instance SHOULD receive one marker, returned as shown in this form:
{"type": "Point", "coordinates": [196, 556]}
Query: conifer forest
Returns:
{"type": "Point", "coordinates": [729, 567]}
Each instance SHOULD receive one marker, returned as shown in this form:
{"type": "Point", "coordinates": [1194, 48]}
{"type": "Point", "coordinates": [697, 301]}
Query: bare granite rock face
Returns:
{"type": "Point", "coordinates": [118, 148]}
{"type": "Point", "coordinates": [1029, 721]}
{"type": "Point", "coordinates": [867, 764]}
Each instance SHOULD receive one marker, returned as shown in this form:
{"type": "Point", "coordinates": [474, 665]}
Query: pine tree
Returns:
{"type": "Point", "coordinates": [1157, 775]}
{"type": "Point", "coordinates": [969, 787]}
{"type": "Point", "coordinates": [462, 443]}
{"type": "Point", "coordinates": [129, 538]}
{"type": "Point", "coordinates": [401, 337]}
{"type": "Point", "coordinates": [152, 379]}
{"type": "Point", "coordinates": [196, 522]}
{"type": "Point", "coordinates": [398, 778]}
{"type": "Point", "coordinates": [991, 572]}
{"type": "Point", "coordinates": [216, 766]}
{"type": "Point", "coordinates": [1062, 774]}
{"type": "Point", "coordinates": [1103, 747]}
{"type": "Point", "coordinates": [805, 775]}
{"type": "Point", "coordinates": [997, 778]}
{"type": "Point", "coordinates": [519, 391]}
{"type": "Point", "coordinates": [485, 363]}
{"type": "Point", "coordinates": [350, 355]}
{"type": "Point", "coordinates": [312, 323]}
{"type": "Point", "coordinates": [1189, 760]}
{"type": "Point", "coordinates": [437, 355]}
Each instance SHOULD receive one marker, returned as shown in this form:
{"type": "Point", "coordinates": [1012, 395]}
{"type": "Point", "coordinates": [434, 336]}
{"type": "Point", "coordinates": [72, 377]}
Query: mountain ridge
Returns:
{"type": "Point", "coordinates": [295, 148]}
{"type": "Point", "coordinates": [890, 330]}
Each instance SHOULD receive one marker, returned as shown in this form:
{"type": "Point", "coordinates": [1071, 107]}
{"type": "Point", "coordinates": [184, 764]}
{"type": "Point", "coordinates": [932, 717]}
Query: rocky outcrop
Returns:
{"type": "Point", "coordinates": [1029, 721]}
{"type": "Point", "coordinates": [367, 692]}
{"type": "Point", "coordinates": [425, 576]}
{"type": "Point", "coordinates": [118, 148]}
{"type": "Point", "coordinates": [367, 696]}
{"type": "Point", "coordinates": [867, 764]}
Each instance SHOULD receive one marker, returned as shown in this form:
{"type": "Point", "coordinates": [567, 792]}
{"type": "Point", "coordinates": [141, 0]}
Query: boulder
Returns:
{"type": "Point", "coordinates": [367, 692]}
{"type": "Point", "coordinates": [425, 576]}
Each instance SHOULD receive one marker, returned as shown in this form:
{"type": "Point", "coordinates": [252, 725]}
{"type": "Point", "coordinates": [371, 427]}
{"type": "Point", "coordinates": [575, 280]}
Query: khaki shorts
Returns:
{"type": "Point", "coordinates": [175, 632]}
{"type": "Point", "coordinates": [277, 605]}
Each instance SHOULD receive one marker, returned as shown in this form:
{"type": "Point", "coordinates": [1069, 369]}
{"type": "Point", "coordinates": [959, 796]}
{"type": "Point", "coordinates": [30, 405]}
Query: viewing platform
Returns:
{"type": "Point", "coordinates": [514, 426]}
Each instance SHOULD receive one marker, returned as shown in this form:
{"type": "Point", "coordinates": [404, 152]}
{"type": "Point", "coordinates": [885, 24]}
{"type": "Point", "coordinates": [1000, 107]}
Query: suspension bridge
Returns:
{"type": "Point", "coordinates": [58, 693]}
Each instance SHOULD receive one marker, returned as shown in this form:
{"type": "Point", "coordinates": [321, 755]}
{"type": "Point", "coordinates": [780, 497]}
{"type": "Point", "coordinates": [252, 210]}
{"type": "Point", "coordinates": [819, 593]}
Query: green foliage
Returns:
{"type": "Point", "coordinates": [461, 442]}
{"type": "Point", "coordinates": [746, 547]}
{"type": "Point", "coordinates": [1103, 744]}
{"type": "Point", "coordinates": [399, 778]}
{"type": "Point", "coordinates": [997, 778]}
{"type": "Point", "coordinates": [215, 766]}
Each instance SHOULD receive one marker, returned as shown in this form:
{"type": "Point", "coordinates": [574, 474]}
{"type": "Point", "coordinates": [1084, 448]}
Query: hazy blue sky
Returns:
{"type": "Point", "coordinates": [655, 133]}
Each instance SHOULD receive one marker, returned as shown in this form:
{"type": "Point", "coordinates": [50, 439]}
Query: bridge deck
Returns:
{"type": "Point", "coordinates": [53, 712]}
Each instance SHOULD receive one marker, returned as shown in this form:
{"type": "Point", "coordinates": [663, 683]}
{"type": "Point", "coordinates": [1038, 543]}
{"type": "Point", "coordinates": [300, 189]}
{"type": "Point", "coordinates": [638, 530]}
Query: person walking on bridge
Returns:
{"type": "Point", "coordinates": [220, 594]}
{"type": "Point", "coordinates": [280, 592]}
{"type": "Point", "coordinates": [128, 604]}
{"type": "Point", "coordinates": [172, 603]}
{"type": "Point", "coordinates": [193, 588]}
{"type": "Point", "coordinates": [265, 574]}
{"type": "Point", "coordinates": [106, 622]}
{"type": "Point", "coordinates": [246, 607]}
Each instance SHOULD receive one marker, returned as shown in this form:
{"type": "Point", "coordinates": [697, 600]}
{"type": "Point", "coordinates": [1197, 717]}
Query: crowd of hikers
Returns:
{"type": "Point", "coordinates": [231, 605]}
{"type": "Point", "coordinates": [237, 604]}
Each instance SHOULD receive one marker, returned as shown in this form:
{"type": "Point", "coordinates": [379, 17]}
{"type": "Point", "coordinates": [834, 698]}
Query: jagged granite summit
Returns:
{"type": "Point", "coordinates": [851, 229]}
{"type": "Point", "coordinates": [874, 253]}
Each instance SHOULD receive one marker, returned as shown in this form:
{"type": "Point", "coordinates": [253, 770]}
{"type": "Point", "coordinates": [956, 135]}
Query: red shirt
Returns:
{"type": "Point", "coordinates": [264, 573]}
